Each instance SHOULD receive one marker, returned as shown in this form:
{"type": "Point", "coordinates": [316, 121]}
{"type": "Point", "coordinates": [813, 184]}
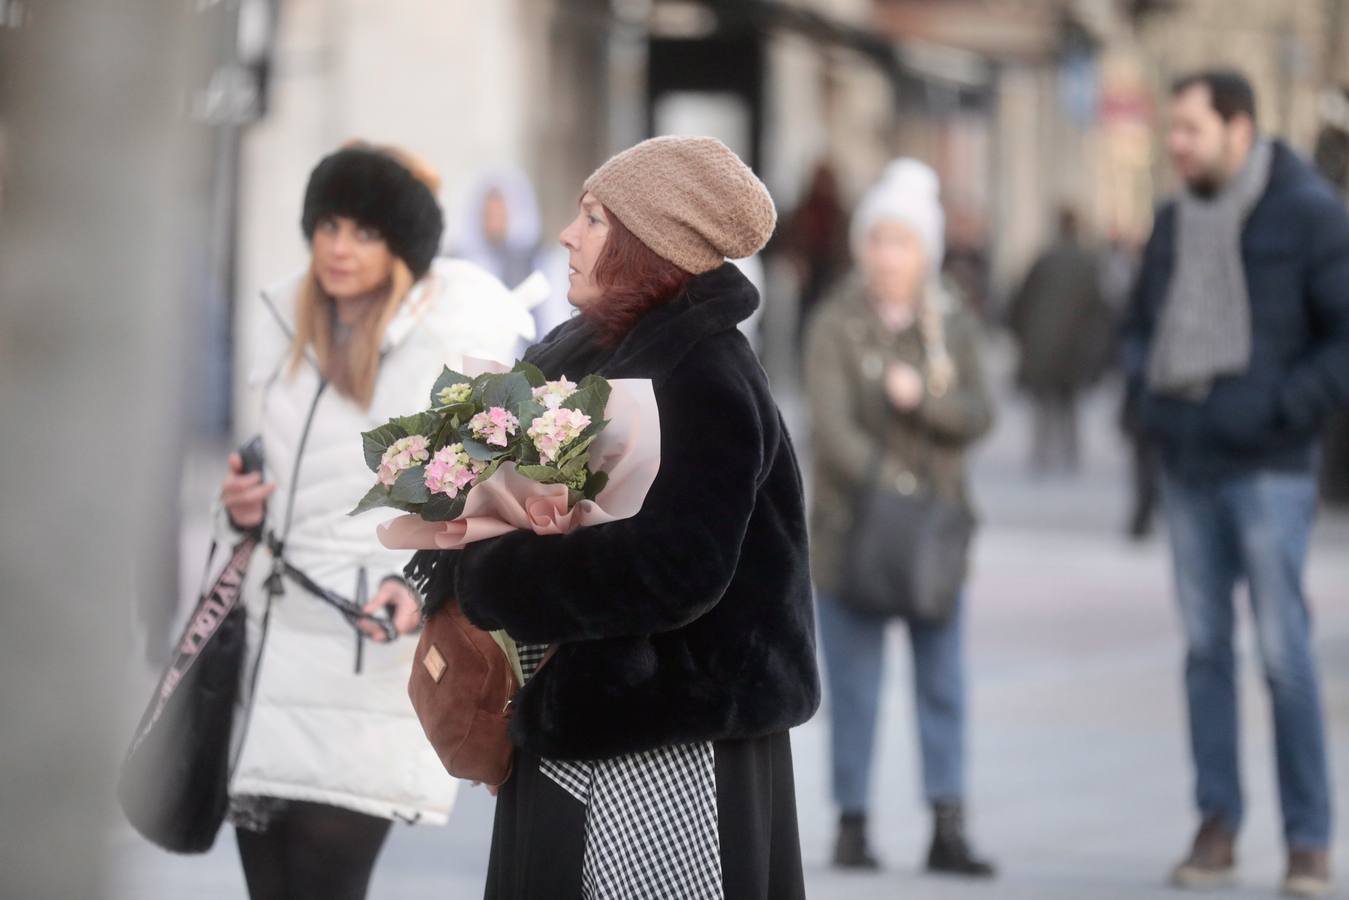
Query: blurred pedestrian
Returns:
{"type": "Point", "coordinates": [1238, 349]}
{"type": "Point", "coordinates": [1064, 327]}
{"type": "Point", "coordinates": [896, 395]}
{"type": "Point", "coordinates": [331, 752]}
{"type": "Point", "coordinates": [500, 231]}
{"type": "Point", "coordinates": [967, 265]}
{"type": "Point", "coordinates": [652, 754]}
{"type": "Point", "coordinates": [817, 241]}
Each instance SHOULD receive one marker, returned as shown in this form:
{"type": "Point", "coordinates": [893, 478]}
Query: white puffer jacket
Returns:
{"type": "Point", "coordinates": [314, 728]}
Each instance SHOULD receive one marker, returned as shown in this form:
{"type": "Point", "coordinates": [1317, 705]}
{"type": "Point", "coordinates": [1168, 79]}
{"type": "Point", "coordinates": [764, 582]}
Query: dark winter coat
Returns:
{"type": "Point", "coordinates": [693, 620]}
{"type": "Point", "coordinates": [1061, 320]}
{"type": "Point", "coordinates": [1295, 253]}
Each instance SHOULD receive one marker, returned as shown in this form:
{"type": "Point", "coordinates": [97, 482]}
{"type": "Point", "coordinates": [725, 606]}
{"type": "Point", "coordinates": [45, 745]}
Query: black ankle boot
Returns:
{"type": "Point", "coordinates": [951, 854]}
{"type": "Point", "coordinates": [851, 850]}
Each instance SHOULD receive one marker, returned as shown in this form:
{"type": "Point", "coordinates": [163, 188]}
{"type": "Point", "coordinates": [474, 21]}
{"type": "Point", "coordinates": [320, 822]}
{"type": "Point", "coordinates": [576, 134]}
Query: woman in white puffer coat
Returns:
{"type": "Point", "coordinates": [328, 751]}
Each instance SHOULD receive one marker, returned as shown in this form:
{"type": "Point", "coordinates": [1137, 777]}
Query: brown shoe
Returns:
{"type": "Point", "coordinates": [1308, 874]}
{"type": "Point", "coordinates": [1212, 861]}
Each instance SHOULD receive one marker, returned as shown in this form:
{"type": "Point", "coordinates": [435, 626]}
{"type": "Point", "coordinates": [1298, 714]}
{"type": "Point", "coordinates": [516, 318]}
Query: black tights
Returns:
{"type": "Point", "coordinates": [312, 850]}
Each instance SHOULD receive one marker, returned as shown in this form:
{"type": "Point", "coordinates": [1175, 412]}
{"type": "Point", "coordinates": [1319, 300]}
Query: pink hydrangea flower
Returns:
{"type": "Point", "coordinates": [554, 430]}
{"type": "Point", "coordinates": [494, 427]}
{"type": "Point", "coordinates": [452, 470]}
{"type": "Point", "coordinates": [553, 393]}
{"type": "Point", "coordinates": [402, 455]}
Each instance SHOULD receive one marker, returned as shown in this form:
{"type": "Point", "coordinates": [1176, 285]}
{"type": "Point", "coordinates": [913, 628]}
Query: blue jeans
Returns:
{"type": "Point", "coordinates": [1253, 528]}
{"type": "Point", "coordinates": [854, 651]}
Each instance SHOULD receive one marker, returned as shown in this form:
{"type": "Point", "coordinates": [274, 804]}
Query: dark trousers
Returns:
{"type": "Point", "coordinates": [1054, 444]}
{"type": "Point", "coordinates": [312, 851]}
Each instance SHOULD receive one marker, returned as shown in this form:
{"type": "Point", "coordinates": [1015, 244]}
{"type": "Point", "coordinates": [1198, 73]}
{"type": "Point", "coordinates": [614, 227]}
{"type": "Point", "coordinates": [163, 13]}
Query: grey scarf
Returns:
{"type": "Point", "coordinates": [1205, 326]}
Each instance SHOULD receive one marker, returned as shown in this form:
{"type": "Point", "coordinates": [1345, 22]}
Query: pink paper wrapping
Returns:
{"type": "Point", "coordinates": [628, 449]}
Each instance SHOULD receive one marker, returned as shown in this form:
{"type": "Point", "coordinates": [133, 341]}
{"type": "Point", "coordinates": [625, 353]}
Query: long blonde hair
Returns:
{"type": "Point", "coordinates": [354, 367]}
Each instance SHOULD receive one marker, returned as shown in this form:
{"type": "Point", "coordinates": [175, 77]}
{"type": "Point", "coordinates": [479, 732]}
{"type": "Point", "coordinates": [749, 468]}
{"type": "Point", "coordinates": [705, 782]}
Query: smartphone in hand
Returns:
{"type": "Point", "coordinates": [251, 454]}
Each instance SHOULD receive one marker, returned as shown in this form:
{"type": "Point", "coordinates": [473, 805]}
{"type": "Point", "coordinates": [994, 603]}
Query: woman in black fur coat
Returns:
{"type": "Point", "coordinates": [653, 756]}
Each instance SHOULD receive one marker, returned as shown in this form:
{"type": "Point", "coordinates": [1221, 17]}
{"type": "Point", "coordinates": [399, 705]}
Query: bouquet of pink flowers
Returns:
{"type": "Point", "coordinates": [505, 450]}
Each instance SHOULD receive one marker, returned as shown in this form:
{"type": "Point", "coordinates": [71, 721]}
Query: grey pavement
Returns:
{"type": "Point", "coordinates": [1078, 765]}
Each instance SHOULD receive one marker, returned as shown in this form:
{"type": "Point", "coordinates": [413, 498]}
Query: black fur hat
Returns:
{"type": "Point", "coordinates": [381, 193]}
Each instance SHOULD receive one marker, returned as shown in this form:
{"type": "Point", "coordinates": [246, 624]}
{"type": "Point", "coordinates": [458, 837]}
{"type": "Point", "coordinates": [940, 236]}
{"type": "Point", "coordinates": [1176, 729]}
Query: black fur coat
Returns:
{"type": "Point", "coordinates": [692, 620]}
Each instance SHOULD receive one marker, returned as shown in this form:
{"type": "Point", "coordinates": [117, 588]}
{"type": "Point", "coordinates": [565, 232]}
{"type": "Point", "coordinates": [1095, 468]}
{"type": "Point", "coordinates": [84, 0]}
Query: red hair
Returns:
{"type": "Point", "coordinates": [633, 281]}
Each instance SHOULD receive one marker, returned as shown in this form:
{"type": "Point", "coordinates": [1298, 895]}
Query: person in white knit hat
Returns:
{"type": "Point", "coordinates": [896, 394]}
{"type": "Point", "coordinates": [909, 194]}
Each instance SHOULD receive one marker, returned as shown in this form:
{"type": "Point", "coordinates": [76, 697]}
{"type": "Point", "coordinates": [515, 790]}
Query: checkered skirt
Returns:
{"type": "Point", "coordinates": [651, 817]}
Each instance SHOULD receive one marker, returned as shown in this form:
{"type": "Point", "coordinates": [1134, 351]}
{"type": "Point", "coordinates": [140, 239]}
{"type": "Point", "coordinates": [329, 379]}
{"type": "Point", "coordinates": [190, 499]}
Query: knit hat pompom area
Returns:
{"type": "Point", "coordinates": [381, 193]}
{"type": "Point", "coordinates": [909, 193]}
{"type": "Point", "coordinates": [691, 200]}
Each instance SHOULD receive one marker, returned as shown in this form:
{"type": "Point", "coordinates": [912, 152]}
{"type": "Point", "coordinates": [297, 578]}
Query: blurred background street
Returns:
{"type": "Point", "coordinates": [153, 159]}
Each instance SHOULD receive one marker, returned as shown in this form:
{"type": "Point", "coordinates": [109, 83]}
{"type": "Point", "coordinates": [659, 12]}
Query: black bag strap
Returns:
{"type": "Point", "coordinates": [217, 601]}
{"type": "Point", "coordinates": [351, 610]}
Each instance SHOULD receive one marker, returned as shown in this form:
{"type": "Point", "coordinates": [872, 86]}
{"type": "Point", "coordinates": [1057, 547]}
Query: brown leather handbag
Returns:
{"type": "Point", "coordinates": [462, 686]}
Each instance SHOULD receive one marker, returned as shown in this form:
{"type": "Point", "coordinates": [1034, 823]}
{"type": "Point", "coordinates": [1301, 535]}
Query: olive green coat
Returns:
{"type": "Point", "coordinates": [847, 353]}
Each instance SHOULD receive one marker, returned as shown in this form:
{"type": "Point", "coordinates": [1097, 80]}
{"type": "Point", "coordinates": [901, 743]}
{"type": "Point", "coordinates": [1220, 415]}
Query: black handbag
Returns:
{"type": "Point", "coordinates": [174, 780]}
{"type": "Point", "coordinates": [907, 554]}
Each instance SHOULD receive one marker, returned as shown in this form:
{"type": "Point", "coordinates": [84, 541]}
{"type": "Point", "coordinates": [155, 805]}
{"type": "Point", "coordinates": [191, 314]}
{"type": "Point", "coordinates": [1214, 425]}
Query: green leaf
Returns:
{"type": "Point", "coordinates": [447, 434]}
{"type": "Point", "coordinates": [447, 378]}
{"type": "Point", "coordinates": [441, 508]}
{"type": "Point", "coordinates": [573, 466]}
{"type": "Point", "coordinates": [411, 486]}
{"type": "Point", "coordinates": [509, 391]}
{"type": "Point", "coordinates": [574, 497]}
{"type": "Point", "coordinates": [462, 411]}
{"type": "Point", "coordinates": [376, 441]}
{"type": "Point", "coordinates": [414, 508]}
{"type": "Point", "coordinates": [381, 496]}
{"type": "Point", "coordinates": [592, 398]}
{"type": "Point", "coordinates": [376, 497]}
{"type": "Point", "coordinates": [578, 447]}
{"type": "Point", "coordinates": [601, 390]}
{"type": "Point", "coordinates": [528, 412]}
{"type": "Point", "coordinates": [533, 374]}
{"type": "Point", "coordinates": [582, 400]}
{"type": "Point", "coordinates": [423, 423]}
{"type": "Point", "coordinates": [541, 474]}
{"type": "Point", "coordinates": [596, 483]}
{"type": "Point", "coordinates": [480, 451]}
{"type": "Point", "coordinates": [489, 471]}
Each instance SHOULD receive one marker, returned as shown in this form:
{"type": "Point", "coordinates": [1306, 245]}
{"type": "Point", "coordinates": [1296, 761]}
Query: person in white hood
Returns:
{"type": "Point", "coordinates": [329, 751]}
{"type": "Point", "coordinates": [500, 230]}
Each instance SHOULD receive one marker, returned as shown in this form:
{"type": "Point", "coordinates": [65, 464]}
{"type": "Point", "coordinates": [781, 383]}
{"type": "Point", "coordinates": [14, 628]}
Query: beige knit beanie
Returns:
{"type": "Point", "coordinates": [689, 199]}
